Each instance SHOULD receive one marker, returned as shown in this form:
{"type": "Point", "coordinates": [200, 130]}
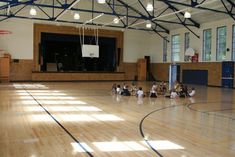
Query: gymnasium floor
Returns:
{"type": "Point", "coordinates": [84, 119]}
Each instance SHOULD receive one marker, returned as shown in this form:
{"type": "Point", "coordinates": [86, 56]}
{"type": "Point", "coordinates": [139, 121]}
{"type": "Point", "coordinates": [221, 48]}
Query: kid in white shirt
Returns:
{"type": "Point", "coordinates": [192, 93]}
{"type": "Point", "coordinates": [140, 93]}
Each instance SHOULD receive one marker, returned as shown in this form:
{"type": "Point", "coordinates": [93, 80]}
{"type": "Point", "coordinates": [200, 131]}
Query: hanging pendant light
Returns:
{"type": "Point", "coordinates": [101, 1]}
{"type": "Point", "coordinates": [116, 20]}
{"type": "Point", "coordinates": [148, 24]}
{"type": "Point", "coordinates": [76, 16]}
{"type": "Point", "coordinates": [149, 7]}
{"type": "Point", "coordinates": [33, 11]}
{"type": "Point", "coordinates": [187, 15]}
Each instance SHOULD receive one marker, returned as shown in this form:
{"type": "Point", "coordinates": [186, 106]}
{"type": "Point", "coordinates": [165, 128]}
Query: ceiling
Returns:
{"type": "Point", "coordinates": [167, 14]}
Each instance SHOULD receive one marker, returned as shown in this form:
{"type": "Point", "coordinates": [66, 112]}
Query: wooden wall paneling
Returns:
{"type": "Point", "coordinates": [5, 69]}
{"type": "Point", "coordinates": [21, 70]}
{"type": "Point", "coordinates": [130, 70]}
{"type": "Point", "coordinates": [142, 69]}
{"type": "Point", "coordinates": [161, 70]}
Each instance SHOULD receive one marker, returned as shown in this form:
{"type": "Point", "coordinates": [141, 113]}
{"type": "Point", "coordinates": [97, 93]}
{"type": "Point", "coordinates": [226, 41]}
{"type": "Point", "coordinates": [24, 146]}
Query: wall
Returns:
{"type": "Point", "coordinates": [136, 45]}
{"type": "Point", "coordinates": [161, 71]}
{"type": "Point", "coordinates": [195, 42]}
{"type": "Point", "coordinates": [20, 45]}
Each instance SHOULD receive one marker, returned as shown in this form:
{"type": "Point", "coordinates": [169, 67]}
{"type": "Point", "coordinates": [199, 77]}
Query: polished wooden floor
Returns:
{"type": "Point", "coordinates": [84, 119]}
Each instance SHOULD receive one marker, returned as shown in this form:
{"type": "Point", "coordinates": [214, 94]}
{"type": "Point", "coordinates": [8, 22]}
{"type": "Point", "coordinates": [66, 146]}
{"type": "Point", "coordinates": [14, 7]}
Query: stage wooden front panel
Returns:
{"type": "Point", "coordinates": [77, 76]}
{"type": "Point", "coordinates": [21, 70]}
{"type": "Point", "coordinates": [4, 69]}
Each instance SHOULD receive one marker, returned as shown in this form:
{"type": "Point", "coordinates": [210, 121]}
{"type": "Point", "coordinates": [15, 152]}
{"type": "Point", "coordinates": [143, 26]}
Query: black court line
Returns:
{"type": "Point", "coordinates": [77, 141]}
{"type": "Point", "coordinates": [210, 112]}
{"type": "Point", "coordinates": [141, 127]}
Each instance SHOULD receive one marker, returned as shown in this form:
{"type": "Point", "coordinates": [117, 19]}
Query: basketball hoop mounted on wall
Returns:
{"type": "Point", "coordinates": [4, 32]}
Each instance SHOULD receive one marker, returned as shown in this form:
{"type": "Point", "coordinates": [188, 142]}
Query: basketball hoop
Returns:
{"type": "Point", "coordinates": [3, 32]}
{"type": "Point", "coordinates": [189, 53]}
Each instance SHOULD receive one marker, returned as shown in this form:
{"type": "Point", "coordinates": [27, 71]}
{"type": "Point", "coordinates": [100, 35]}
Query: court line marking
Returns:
{"type": "Point", "coordinates": [210, 112]}
{"type": "Point", "coordinates": [171, 106]}
{"type": "Point", "coordinates": [77, 141]}
{"type": "Point", "coordinates": [141, 127]}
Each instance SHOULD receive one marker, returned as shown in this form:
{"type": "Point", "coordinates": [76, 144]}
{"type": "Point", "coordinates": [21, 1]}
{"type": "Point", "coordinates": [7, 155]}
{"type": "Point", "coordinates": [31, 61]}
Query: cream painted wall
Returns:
{"type": "Point", "coordinates": [136, 45]}
{"type": "Point", "coordinates": [20, 43]}
{"type": "Point", "coordinates": [156, 48]}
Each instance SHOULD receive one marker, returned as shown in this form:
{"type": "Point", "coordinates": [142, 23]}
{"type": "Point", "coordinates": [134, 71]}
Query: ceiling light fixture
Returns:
{"type": "Point", "coordinates": [149, 7]}
{"type": "Point", "coordinates": [148, 24]}
{"type": "Point", "coordinates": [76, 16]}
{"type": "Point", "coordinates": [187, 15]}
{"type": "Point", "coordinates": [33, 11]}
{"type": "Point", "coordinates": [116, 20]}
{"type": "Point", "coordinates": [101, 1]}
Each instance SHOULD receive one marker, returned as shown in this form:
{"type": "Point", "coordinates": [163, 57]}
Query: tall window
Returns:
{"type": "Point", "coordinates": [207, 45]}
{"type": "Point", "coordinates": [186, 45]}
{"type": "Point", "coordinates": [221, 44]}
{"type": "Point", "coordinates": [233, 44]}
{"type": "Point", "coordinates": [175, 48]}
{"type": "Point", "coordinates": [165, 49]}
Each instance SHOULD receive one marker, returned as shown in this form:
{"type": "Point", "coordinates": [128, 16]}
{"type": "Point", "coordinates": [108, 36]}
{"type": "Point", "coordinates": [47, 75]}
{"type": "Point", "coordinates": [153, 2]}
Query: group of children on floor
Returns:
{"type": "Point", "coordinates": [179, 90]}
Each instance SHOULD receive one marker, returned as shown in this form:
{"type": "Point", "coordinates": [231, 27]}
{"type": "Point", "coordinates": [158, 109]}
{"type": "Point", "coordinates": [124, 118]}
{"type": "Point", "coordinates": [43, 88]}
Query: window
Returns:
{"type": "Point", "coordinates": [207, 45]}
{"type": "Point", "coordinates": [165, 49]}
{"type": "Point", "coordinates": [233, 44]}
{"type": "Point", "coordinates": [221, 44]}
{"type": "Point", "coordinates": [186, 45]}
{"type": "Point", "coordinates": [175, 48]}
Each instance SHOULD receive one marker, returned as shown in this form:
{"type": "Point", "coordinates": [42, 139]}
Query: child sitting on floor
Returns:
{"type": "Point", "coordinates": [192, 93]}
{"type": "Point", "coordinates": [173, 94]}
{"type": "Point", "coordinates": [125, 91]}
{"type": "Point", "coordinates": [133, 89]}
{"type": "Point", "coordinates": [118, 89]}
{"type": "Point", "coordinates": [114, 88]}
{"type": "Point", "coordinates": [153, 92]}
{"type": "Point", "coordinates": [163, 88]}
{"type": "Point", "coordinates": [140, 93]}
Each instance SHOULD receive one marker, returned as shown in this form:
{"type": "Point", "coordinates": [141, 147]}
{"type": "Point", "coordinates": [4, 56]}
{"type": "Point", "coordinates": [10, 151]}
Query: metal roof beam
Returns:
{"type": "Point", "coordinates": [190, 5]}
{"type": "Point", "coordinates": [144, 8]}
{"type": "Point", "coordinates": [182, 14]}
{"type": "Point", "coordinates": [143, 16]}
{"type": "Point", "coordinates": [115, 13]}
{"type": "Point", "coordinates": [67, 7]}
{"type": "Point", "coordinates": [64, 21]}
{"type": "Point", "coordinates": [232, 3]}
{"type": "Point", "coordinates": [230, 11]}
